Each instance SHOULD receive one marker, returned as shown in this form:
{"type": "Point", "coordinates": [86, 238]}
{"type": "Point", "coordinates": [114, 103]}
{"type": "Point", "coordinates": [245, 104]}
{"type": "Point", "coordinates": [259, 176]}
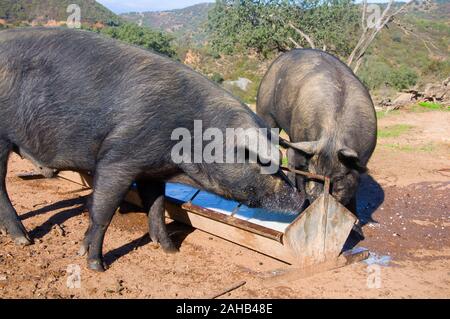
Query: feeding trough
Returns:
{"type": "Point", "coordinates": [314, 239]}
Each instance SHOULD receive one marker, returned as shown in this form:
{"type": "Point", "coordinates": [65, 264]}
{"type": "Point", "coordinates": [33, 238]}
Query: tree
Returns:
{"type": "Point", "coordinates": [279, 25]}
{"type": "Point", "coordinates": [142, 36]}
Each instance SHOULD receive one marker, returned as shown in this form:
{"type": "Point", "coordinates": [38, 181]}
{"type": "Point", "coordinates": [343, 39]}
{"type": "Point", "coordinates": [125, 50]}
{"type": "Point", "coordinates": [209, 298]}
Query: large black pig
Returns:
{"type": "Point", "coordinates": [73, 100]}
{"type": "Point", "coordinates": [327, 113]}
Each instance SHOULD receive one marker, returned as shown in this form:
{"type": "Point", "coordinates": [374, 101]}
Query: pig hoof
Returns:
{"type": "Point", "coordinates": [96, 265]}
{"type": "Point", "coordinates": [169, 248]}
{"type": "Point", "coordinates": [82, 251]}
{"type": "Point", "coordinates": [22, 241]}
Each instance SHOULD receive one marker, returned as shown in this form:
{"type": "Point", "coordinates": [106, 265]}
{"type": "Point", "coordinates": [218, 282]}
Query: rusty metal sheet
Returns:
{"type": "Point", "coordinates": [320, 232]}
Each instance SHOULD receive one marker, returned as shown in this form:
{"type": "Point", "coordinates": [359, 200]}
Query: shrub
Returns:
{"type": "Point", "coordinates": [218, 78]}
{"type": "Point", "coordinates": [397, 38]}
{"type": "Point", "coordinates": [142, 36]}
{"type": "Point", "coordinates": [375, 74]}
{"type": "Point", "coordinates": [403, 78]}
{"type": "Point", "coordinates": [439, 68]}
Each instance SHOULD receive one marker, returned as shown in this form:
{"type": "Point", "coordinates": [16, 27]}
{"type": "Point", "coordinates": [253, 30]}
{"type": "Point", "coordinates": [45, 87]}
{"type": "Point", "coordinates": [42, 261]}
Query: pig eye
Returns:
{"type": "Point", "coordinates": [258, 160]}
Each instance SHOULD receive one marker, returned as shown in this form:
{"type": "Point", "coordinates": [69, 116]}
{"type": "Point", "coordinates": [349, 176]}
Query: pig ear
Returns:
{"type": "Point", "coordinates": [309, 148]}
{"type": "Point", "coordinates": [351, 158]}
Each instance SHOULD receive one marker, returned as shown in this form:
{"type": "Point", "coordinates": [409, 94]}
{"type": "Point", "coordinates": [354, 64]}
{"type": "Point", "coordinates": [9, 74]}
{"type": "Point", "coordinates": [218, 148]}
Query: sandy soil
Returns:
{"type": "Point", "coordinates": [404, 203]}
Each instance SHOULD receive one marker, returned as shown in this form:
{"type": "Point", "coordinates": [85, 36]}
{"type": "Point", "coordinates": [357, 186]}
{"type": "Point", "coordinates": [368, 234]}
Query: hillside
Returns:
{"type": "Point", "coordinates": [186, 24]}
{"type": "Point", "coordinates": [412, 51]}
{"type": "Point", "coordinates": [417, 41]}
{"type": "Point", "coordinates": [15, 11]}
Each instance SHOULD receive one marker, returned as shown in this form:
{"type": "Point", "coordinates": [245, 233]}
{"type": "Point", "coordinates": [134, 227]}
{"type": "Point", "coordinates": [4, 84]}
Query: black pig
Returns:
{"type": "Point", "coordinates": [328, 114]}
{"type": "Point", "coordinates": [73, 100]}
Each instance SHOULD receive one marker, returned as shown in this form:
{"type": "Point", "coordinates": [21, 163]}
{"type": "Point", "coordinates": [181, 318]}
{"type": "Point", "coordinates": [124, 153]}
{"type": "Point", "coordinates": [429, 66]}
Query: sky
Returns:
{"type": "Point", "coordinates": [121, 6]}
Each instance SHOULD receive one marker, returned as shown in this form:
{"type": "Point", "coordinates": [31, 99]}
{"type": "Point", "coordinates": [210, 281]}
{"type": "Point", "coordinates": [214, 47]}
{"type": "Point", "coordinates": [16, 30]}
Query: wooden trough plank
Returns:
{"type": "Point", "coordinates": [248, 239]}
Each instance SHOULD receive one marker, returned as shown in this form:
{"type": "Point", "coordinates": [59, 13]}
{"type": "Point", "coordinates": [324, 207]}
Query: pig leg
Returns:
{"type": "Point", "coordinates": [111, 184]}
{"type": "Point", "coordinates": [152, 196]}
{"type": "Point", "coordinates": [9, 221]}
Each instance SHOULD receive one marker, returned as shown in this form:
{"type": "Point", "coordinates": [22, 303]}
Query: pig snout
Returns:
{"type": "Point", "coordinates": [286, 199]}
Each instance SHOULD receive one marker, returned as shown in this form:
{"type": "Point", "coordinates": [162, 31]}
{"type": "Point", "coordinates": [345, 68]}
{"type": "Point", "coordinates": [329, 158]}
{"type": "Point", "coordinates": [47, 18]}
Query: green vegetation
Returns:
{"type": "Point", "coordinates": [240, 38]}
{"type": "Point", "coordinates": [402, 59]}
{"type": "Point", "coordinates": [94, 17]}
{"type": "Point", "coordinates": [434, 106]}
{"type": "Point", "coordinates": [427, 148]}
{"type": "Point", "coordinates": [263, 26]}
{"type": "Point", "coordinates": [143, 37]}
{"type": "Point", "coordinates": [394, 131]}
{"type": "Point", "coordinates": [218, 78]}
{"type": "Point", "coordinates": [383, 114]}
{"type": "Point", "coordinates": [379, 74]}
{"type": "Point", "coordinates": [187, 24]}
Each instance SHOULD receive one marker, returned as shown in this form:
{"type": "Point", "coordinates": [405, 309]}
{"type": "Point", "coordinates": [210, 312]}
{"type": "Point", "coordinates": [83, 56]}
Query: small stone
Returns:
{"type": "Point", "coordinates": [59, 230]}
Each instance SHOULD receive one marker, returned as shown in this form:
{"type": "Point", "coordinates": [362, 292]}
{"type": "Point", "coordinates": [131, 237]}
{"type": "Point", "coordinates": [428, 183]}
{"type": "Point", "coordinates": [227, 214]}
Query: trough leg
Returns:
{"type": "Point", "coordinates": [291, 165]}
{"type": "Point", "coordinates": [152, 196]}
{"type": "Point", "coordinates": [352, 206]}
{"type": "Point", "coordinates": [111, 183]}
{"type": "Point", "coordinates": [9, 221]}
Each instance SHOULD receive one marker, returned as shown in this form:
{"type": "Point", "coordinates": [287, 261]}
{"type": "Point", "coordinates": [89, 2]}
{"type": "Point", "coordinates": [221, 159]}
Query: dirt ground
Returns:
{"type": "Point", "coordinates": [404, 203]}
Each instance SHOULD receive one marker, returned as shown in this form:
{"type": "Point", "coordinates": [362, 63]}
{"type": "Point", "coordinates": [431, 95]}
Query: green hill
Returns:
{"type": "Point", "coordinates": [185, 24]}
{"type": "Point", "coordinates": [44, 10]}
{"type": "Point", "coordinates": [416, 43]}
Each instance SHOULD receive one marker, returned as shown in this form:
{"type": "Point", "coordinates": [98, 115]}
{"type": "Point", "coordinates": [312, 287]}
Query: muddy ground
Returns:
{"type": "Point", "coordinates": [404, 202]}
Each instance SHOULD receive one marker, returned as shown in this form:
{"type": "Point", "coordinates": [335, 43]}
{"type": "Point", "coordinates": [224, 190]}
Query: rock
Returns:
{"type": "Point", "coordinates": [241, 83]}
{"type": "Point", "coordinates": [436, 91]}
{"type": "Point", "coordinates": [3, 281]}
{"type": "Point", "coordinates": [403, 99]}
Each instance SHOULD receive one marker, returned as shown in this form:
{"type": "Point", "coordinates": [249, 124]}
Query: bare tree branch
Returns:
{"type": "Point", "coordinates": [304, 35]}
{"type": "Point", "coordinates": [297, 45]}
{"type": "Point", "coordinates": [357, 66]}
{"type": "Point", "coordinates": [367, 37]}
{"type": "Point", "coordinates": [365, 27]}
